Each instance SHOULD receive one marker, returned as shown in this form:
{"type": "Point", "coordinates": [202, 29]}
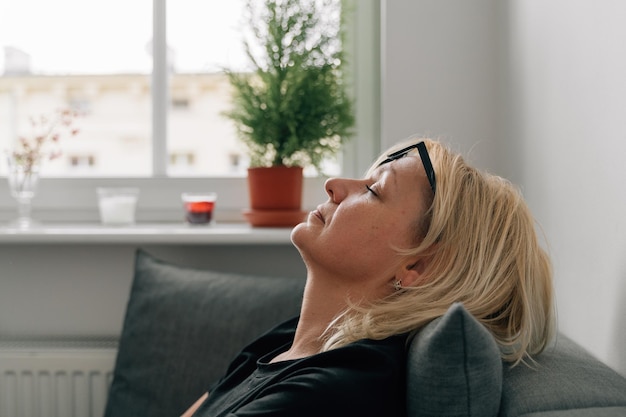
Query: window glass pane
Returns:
{"type": "Point", "coordinates": [92, 56]}
{"type": "Point", "coordinates": [96, 57]}
{"type": "Point", "coordinates": [203, 38]}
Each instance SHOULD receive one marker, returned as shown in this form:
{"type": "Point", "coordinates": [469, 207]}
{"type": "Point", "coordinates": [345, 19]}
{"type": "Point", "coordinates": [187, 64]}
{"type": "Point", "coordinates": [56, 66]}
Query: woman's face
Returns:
{"type": "Point", "coordinates": [352, 236]}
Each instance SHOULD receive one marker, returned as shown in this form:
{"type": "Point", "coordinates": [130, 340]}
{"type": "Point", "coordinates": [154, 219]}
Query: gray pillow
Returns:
{"type": "Point", "coordinates": [454, 368]}
{"type": "Point", "coordinates": [183, 327]}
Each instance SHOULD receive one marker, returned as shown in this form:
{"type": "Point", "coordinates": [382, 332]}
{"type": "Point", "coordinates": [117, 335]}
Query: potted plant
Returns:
{"type": "Point", "coordinates": [292, 110]}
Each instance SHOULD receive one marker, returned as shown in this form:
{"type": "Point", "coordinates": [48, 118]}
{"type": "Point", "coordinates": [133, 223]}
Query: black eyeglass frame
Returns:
{"type": "Point", "coordinates": [428, 166]}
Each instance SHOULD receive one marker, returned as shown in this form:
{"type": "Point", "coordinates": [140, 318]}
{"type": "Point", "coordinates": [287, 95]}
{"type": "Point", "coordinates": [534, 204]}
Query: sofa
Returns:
{"type": "Point", "coordinates": [183, 326]}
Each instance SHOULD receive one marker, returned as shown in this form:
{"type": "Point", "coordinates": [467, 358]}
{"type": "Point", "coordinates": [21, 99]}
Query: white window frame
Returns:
{"type": "Point", "coordinates": [74, 199]}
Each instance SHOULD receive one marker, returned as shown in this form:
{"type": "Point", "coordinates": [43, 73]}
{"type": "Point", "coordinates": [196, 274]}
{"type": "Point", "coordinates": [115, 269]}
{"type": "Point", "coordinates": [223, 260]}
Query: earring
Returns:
{"type": "Point", "coordinates": [397, 285]}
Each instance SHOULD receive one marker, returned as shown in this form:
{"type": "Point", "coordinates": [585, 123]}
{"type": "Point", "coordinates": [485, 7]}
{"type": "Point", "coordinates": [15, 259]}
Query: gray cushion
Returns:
{"type": "Point", "coordinates": [454, 368]}
{"type": "Point", "coordinates": [565, 377]}
{"type": "Point", "coordinates": [183, 327]}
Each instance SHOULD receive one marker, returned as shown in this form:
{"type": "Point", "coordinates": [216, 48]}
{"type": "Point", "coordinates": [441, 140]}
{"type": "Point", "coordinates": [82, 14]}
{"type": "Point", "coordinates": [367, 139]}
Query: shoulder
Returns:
{"type": "Point", "coordinates": [368, 359]}
{"type": "Point", "coordinates": [272, 340]}
{"type": "Point", "coordinates": [364, 378]}
{"type": "Point", "coordinates": [275, 337]}
{"type": "Point", "coordinates": [355, 366]}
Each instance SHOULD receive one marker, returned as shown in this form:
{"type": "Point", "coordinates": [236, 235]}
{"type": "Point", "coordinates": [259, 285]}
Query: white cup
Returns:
{"type": "Point", "coordinates": [117, 205]}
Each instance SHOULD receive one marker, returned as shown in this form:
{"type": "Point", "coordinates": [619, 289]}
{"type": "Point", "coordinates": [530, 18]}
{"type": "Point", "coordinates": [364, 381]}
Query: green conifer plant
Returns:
{"type": "Point", "coordinates": [293, 108]}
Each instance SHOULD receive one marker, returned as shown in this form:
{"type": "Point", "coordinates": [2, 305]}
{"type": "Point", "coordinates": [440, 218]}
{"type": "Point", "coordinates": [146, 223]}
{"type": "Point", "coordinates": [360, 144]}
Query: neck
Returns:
{"type": "Point", "coordinates": [322, 303]}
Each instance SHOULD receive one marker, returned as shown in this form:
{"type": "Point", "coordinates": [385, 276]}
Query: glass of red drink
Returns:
{"type": "Point", "coordinates": [198, 207]}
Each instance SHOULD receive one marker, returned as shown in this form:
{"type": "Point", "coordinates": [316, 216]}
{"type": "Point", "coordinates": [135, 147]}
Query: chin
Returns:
{"type": "Point", "coordinates": [302, 235]}
{"type": "Point", "coordinates": [296, 232]}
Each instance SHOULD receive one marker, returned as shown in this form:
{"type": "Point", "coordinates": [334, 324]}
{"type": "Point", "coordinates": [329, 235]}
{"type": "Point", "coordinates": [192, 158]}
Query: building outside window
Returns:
{"type": "Point", "coordinates": [98, 60]}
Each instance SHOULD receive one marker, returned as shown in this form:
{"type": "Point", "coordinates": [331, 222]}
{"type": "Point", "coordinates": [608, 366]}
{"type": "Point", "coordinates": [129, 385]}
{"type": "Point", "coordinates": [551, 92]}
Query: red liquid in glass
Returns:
{"type": "Point", "coordinates": [199, 212]}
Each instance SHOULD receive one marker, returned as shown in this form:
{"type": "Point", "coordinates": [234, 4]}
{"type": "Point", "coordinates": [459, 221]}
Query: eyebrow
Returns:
{"type": "Point", "coordinates": [395, 175]}
{"type": "Point", "coordinates": [393, 170]}
{"type": "Point", "coordinates": [424, 156]}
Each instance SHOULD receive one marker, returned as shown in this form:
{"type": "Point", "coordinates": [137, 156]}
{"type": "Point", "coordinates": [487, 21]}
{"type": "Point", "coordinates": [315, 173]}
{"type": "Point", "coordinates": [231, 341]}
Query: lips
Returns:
{"type": "Point", "coordinates": [317, 213]}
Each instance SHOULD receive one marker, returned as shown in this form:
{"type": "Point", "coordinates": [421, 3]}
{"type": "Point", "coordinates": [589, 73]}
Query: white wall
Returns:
{"type": "Point", "coordinates": [567, 66]}
{"type": "Point", "coordinates": [540, 88]}
{"type": "Point", "coordinates": [440, 73]}
{"type": "Point", "coordinates": [60, 290]}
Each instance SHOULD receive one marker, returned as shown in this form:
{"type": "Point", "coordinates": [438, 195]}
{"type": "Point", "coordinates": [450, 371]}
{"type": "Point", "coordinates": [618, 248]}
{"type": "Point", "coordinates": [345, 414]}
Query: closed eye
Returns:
{"type": "Point", "coordinates": [371, 190]}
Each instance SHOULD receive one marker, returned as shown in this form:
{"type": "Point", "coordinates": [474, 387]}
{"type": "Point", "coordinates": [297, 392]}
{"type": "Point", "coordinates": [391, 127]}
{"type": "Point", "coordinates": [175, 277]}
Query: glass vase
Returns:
{"type": "Point", "coordinates": [23, 180]}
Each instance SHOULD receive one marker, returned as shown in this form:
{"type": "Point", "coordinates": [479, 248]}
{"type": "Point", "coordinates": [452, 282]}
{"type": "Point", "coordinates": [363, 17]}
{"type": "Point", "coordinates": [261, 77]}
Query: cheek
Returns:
{"type": "Point", "coordinates": [375, 227]}
{"type": "Point", "coordinates": [370, 232]}
{"type": "Point", "coordinates": [358, 228]}
{"type": "Point", "coordinates": [373, 241]}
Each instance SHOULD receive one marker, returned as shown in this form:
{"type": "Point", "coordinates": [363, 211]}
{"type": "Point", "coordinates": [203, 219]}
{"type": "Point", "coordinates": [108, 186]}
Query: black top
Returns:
{"type": "Point", "coordinates": [364, 378]}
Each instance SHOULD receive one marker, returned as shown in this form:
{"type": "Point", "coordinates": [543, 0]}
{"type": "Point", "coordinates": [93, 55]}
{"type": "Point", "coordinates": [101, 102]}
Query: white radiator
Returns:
{"type": "Point", "coordinates": [55, 379]}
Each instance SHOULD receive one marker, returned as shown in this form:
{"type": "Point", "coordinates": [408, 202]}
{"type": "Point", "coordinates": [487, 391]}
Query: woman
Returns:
{"type": "Point", "coordinates": [385, 255]}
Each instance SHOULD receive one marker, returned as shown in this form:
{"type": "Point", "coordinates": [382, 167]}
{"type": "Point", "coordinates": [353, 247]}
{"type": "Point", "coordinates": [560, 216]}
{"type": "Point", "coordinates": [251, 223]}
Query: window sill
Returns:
{"type": "Point", "coordinates": [146, 233]}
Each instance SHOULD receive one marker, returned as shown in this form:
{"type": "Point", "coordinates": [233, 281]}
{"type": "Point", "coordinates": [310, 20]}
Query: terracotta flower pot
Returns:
{"type": "Point", "coordinates": [275, 196]}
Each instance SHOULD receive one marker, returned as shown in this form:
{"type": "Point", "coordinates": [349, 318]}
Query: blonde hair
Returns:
{"type": "Point", "coordinates": [482, 249]}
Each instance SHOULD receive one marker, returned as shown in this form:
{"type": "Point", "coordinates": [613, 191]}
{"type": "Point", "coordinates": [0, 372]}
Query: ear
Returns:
{"type": "Point", "coordinates": [411, 272]}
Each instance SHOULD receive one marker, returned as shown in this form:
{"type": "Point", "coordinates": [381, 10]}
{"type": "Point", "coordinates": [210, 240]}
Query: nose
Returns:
{"type": "Point", "coordinates": [330, 186]}
{"type": "Point", "coordinates": [338, 188]}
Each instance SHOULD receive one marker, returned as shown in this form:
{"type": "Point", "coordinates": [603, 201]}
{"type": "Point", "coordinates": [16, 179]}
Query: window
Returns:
{"type": "Point", "coordinates": [106, 74]}
{"type": "Point", "coordinates": [97, 58]}
{"type": "Point", "coordinates": [203, 37]}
